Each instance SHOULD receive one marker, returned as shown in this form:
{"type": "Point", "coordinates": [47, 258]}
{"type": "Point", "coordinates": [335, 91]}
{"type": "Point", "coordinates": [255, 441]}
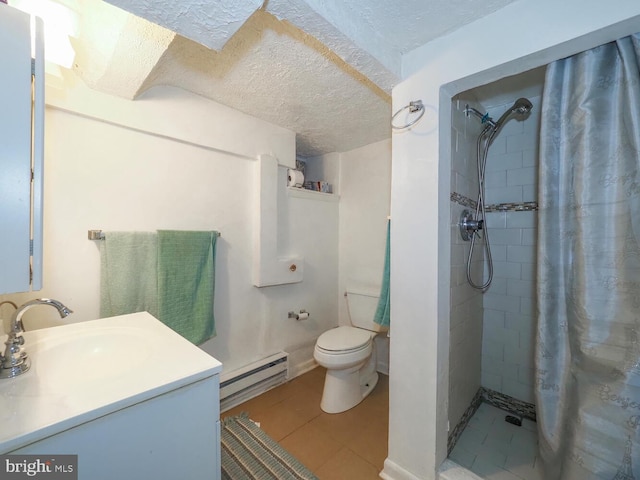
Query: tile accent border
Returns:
{"type": "Point", "coordinates": [462, 200]}
{"type": "Point", "coordinates": [454, 434]}
{"type": "Point", "coordinates": [512, 207]}
{"type": "Point", "coordinates": [496, 207]}
{"type": "Point", "coordinates": [509, 404]}
{"type": "Point", "coordinates": [498, 400]}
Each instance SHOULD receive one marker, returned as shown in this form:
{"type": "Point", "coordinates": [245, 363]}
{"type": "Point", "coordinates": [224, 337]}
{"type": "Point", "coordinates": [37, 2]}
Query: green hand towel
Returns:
{"type": "Point", "coordinates": [186, 281]}
{"type": "Point", "coordinates": [383, 312]}
{"type": "Point", "coordinates": [128, 273]}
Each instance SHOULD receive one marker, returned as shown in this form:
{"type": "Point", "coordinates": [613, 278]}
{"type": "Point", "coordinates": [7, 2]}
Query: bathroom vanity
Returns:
{"type": "Point", "coordinates": [129, 396]}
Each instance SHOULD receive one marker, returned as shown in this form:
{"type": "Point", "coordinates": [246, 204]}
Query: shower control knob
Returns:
{"type": "Point", "coordinates": [469, 226]}
{"type": "Point", "coordinates": [473, 225]}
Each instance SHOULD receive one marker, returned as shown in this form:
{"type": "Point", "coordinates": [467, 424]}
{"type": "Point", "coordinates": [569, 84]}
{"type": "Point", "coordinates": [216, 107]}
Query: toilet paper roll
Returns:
{"type": "Point", "coordinates": [303, 316]}
{"type": "Point", "coordinates": [295, 178]}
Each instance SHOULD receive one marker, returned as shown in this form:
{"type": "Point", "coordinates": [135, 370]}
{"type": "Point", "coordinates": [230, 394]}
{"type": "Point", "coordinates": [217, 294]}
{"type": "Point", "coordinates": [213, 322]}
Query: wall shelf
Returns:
{"type": "Point", "coordinates": [312, 194]}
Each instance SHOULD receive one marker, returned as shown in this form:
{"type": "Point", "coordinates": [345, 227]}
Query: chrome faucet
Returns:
{"type": "Point", "coordinates": [15, 360]}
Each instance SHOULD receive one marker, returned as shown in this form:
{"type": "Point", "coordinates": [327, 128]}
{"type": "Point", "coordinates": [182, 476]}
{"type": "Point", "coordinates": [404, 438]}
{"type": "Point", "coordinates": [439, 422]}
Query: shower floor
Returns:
{"type": "Point", "coordinates": [497, 450]}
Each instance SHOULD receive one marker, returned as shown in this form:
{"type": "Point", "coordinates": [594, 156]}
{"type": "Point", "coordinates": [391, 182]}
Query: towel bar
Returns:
{"type": "Point", "coordinates": [95, 235]}
{"type": "Point", "coordinates": [99, 234]}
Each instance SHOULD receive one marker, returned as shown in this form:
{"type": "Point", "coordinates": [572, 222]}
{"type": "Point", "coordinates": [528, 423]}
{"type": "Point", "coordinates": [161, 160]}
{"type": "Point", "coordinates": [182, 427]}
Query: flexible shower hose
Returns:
{"type": "Point", "coordinates": [481, 157]}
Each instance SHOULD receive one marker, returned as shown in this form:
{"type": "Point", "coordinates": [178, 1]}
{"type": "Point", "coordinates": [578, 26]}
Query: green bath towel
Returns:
{"type": "Point", "coordinates": [186, 281]}
{"type": "Point", "coordinates": [128, 274]}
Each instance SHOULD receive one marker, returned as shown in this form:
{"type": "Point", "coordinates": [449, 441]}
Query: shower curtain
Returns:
{"type": "Point", "coordinates": [588, 293]}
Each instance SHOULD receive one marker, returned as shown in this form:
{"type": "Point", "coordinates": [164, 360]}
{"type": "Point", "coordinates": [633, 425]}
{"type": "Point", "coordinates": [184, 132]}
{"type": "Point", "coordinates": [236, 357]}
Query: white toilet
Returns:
{"type": "Point", "coordinates": [349, 355]}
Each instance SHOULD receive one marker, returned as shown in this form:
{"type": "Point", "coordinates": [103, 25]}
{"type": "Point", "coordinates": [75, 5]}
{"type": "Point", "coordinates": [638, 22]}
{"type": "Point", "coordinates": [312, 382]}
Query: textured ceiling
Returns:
{"type": "Point", "coordinates": [330, 105]}
{"type": "Point", "coordinates": [321, 68]}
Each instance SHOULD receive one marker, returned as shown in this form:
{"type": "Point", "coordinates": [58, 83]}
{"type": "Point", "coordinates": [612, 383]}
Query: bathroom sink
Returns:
{"type": "Point", "coordinates": [83, 371]}
{"type": "Point", "coordinates": [94, 356]}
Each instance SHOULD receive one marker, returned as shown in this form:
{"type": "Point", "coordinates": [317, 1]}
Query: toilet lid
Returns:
{"type": "Point", "coordinates": [343, 338]}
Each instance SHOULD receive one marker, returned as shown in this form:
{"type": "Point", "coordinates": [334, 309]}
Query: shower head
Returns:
{"type": "Point", "coordinates": [521, 106]}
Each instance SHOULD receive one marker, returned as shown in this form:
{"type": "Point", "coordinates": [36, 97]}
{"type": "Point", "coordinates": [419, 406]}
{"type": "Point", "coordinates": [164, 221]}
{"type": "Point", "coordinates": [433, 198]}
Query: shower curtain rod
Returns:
{"type": "Point", "coordinates": [99, 235]}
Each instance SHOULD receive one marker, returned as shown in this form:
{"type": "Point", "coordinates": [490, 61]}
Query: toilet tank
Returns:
{"type": "Point", "coordinates": [362, 308]}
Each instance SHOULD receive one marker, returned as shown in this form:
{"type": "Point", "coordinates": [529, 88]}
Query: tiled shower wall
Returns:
{"type": "Point", "coordinates": [509, 320]}
{"type": "Point", "coordinates": [465, 346]}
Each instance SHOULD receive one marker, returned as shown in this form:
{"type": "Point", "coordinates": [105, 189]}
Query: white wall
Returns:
{"type": "Point", "coordinates": [509, 313]}
{"type": "Point", "coordinates": [172, 160]}
{"type": "Point", "coordinates": [421, 169]}
{"type": "Point", "coordinates": [465, 327]}
{"type": "Point", "coordinates": [365, 190]}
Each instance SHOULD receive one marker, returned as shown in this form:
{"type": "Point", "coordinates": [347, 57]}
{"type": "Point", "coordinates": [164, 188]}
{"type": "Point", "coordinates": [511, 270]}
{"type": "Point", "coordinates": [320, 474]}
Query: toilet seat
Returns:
{"type": "Point", "coordinates": [343, 340]}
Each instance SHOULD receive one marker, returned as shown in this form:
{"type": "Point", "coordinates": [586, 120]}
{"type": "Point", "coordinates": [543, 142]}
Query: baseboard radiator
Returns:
{"type": "Point", "coordinates": [250, 381]}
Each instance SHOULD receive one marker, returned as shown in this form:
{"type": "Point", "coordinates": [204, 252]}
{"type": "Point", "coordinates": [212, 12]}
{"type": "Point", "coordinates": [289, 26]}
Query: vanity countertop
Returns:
{"type": "Point", "coordinates": [83, 371]}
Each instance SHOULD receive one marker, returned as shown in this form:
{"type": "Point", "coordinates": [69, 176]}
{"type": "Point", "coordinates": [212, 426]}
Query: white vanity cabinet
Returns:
{"type": "Point", "coordinates": [21, 151]}
{"type": "Point", "coordinates": [132, 398]}
{"type": "Point", "coordinates": [175, 435]}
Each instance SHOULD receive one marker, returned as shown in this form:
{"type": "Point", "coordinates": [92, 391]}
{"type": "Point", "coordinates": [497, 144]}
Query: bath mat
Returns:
{"type": "Point", "coordinates": [248, 453]}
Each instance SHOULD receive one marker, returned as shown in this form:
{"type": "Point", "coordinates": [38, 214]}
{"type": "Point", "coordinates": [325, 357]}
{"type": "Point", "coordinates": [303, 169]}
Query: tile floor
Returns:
{"type": "Point", "coordinates": [350, 445]}
{"type": "Point", "coordinates": [497, 450]}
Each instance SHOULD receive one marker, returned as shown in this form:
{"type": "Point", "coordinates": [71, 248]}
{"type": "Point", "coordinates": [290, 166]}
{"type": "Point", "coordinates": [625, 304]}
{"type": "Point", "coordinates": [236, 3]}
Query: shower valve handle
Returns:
{"type": "Point", "coordinates": [469, 226]}
{"type": "Point", "coordinates": [474, 225]}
